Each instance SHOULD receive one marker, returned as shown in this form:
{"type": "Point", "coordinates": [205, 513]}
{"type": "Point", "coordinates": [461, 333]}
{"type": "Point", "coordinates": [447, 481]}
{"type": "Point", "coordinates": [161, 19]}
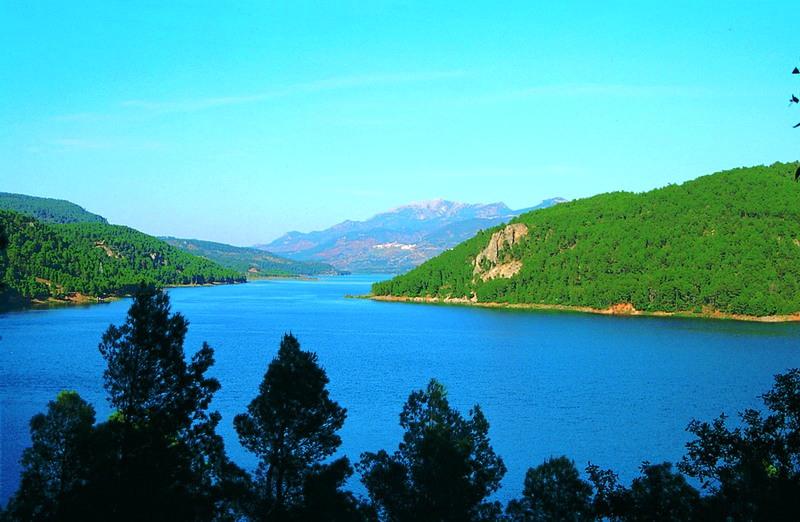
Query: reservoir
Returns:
{"type": "Point", "coordinates": [613, 391]}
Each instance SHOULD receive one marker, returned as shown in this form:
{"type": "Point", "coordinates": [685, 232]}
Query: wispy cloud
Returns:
{"type": "Point", "coordinates": [80, 116]}
{"type": "Point", "coordinates": [330, 84]}
{"type": "Point", "coordinates": [80, 143]}
{"type": "Point", "coordinates": [598, 90]}
{"type": "Point", "coordinates": [71, 143]}
{"type": "Point", "coordinates": [614, 89]}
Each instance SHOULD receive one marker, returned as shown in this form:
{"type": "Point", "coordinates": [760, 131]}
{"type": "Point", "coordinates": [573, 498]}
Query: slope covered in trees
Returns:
{"type": "Point", "coordinates": [93, 259]}
{"type": "Point", "coordinates": [250, 261]}
{"type": "Point", "coordinates": [47, 210]}
{"type": "Point", "coordinates": [727, 242]}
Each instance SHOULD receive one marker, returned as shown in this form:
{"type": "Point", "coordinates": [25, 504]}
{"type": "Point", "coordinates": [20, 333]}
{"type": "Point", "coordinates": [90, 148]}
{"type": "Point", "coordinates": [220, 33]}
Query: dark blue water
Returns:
{"type": "Point", "coordinates": [610, 390]}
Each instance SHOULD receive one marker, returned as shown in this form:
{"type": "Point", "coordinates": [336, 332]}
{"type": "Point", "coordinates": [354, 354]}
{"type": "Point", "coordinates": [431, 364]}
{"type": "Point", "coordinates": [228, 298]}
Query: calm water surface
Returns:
{"type": "Point", "coordinates": [612, 390]}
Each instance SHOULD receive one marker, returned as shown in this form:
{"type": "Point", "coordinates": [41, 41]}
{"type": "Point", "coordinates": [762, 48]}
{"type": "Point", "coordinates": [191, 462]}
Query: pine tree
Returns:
{"type": "Point", "coordinates": [291, 426]}
{"type": "Point", "coordinates": [56, 466]}
{"type": "Point", "coordinates": [444, 469]}
{"type": "Point", "coordinates": [163, 458]}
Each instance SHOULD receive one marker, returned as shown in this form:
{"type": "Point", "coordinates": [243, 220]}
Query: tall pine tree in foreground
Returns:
{"type": "Point", "coordinates": [169, 463]}
{"type": "Point", "coordinates": [291, 426]}
{"type": "Point", "coordinates": [157, 457]}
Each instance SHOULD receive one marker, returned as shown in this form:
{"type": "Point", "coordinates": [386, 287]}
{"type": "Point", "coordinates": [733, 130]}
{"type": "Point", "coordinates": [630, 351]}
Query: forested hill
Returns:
{"type": "Point", "coordinates": [66, 261]}
{"type": "Point", "coordinates": [727, 242]}
{"type": "Point", "coordinates": [250, 261]}
{"type": "Point", "coordinates": [47, 210]}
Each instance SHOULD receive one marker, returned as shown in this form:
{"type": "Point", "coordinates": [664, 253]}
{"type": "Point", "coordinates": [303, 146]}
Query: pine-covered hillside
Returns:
{"type": "Point", "coordinates": [252, 262]}
{"type": "Point", "coordinates": [45, 260]}
{"type": "Point", "coordinates": [727, 242]}
{"type": "Point", "coordinates": [47, 210]}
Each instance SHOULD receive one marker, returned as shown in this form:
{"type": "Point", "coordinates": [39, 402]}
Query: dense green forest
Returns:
{"type": "Point", "coordinates": [47, 210]}
{"type": "Point", "coordinates": [94, 259]}
{"type": "Point", "coordinates": [250, 261]}
{"type": "Point", "coordinates": [727, 242]}
{"type": "Point", "coordinates": [159, 455]}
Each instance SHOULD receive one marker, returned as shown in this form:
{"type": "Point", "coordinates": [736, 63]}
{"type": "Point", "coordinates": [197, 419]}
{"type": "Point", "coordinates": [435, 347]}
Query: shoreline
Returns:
{"type": "Point", "coordinates": [80, 299]}
{"type": "Point", "coordinates": [282, 278]}
{"type": "Point", "coordinates": [622, 309]}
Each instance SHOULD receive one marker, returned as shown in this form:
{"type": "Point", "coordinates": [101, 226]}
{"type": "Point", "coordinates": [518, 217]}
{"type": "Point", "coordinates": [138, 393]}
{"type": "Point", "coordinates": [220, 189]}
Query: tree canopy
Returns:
{"type": "Point", "coordinates": [56, 466]}
{"type": "Point", "coordinates": [94, 259]}
{"type": "Point", "coordinates": [444, 469]}
{"type": "Point", "coordinates": [47, 210]}
{"type": "Point", "coordinates": [553, 490]}
{"type": "Point", "coordinates": [157, 457]}
{"type": "Point", "coordinates": [168, 462]}
{"type": "Point", "coordinates": [291, 425]}
{"type": "Point", "coordinates": [752, 470]}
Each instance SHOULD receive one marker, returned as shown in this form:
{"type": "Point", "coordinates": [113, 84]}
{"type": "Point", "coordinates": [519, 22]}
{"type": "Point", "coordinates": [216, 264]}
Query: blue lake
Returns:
{"type": "Point", "coordinates": [611, 390]}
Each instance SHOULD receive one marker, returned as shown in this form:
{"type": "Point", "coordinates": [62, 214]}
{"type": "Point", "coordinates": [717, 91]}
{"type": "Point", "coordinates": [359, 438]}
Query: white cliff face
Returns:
{"type": "Point", "coordinates": [488, 264]}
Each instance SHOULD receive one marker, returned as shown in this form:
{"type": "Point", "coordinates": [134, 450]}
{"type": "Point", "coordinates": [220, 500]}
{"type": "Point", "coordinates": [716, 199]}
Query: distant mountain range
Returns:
{"type": "Point", "coordinates": [397, 240]}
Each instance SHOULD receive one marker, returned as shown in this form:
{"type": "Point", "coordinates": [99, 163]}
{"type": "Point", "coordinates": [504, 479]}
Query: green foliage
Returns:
{"type": "Point", "coordinates": [47, 210]}
{"type": "Point", "coordinates": [553, 491]}
{"type": "Point", "coordinates": [658, 494]}
{"type": "Point", "coordinates": [725, 242]}
{"type": "Point", "coordinates": [94, 259]}
{"type": "Point", "coordinates": [323, 496]}
{"type": "Point", "coordinates": [157, 457]}
{"type": "Point", "coordinates": [250, 261]}
{"type": "Point", "coordinates": [662, 494]}
{"type": "Point", "coordinates": [444, 469]}
{"type": "Point", "coordinates": [162, 458]}
{"type": "Point", "coordinates": [147, 378]}
{"type": "Point", "coordinates": [3, 261]}
{"type": "Point", "coordinates": [56, 466]}
{"type": "Point", "coordinates": [291, 426]}
{"type": "Point", "coordinates": [753, 470]}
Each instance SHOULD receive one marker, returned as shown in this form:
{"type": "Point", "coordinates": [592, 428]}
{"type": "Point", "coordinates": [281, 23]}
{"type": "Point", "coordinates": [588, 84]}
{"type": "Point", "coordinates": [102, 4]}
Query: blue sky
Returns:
{"type": "Point", "coordinates": [241, 121]}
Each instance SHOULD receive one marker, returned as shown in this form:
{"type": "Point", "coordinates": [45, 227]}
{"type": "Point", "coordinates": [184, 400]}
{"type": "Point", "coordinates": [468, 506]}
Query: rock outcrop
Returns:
{"type": "Point", "coordinates": [489, 264]}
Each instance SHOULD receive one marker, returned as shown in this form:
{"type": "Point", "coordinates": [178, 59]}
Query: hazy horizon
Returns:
{"type": "Point", "coordinates": [340, 221]}
{"type": "Point", "coordinates": [238, 124]}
